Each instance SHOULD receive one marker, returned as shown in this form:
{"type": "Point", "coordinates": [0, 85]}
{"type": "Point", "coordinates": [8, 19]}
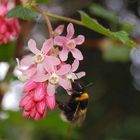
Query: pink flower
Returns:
{"type": "Point", "coordinates": [41, 62]}
{"type": "Point", "coordinates": [56, 77]}
{"type": "Point", "coordinates": [69, 45]}
{"type": "Point", "coordinates": [36, 100]}
{"type": "Point", "coordinates": [73, 76]}
{"type": "Point", "coordinates": [9, 27]}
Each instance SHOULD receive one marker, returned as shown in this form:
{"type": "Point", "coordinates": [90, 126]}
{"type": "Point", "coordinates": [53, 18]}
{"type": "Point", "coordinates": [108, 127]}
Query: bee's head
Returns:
{"type": "Point", "coordinates": [78, 87]}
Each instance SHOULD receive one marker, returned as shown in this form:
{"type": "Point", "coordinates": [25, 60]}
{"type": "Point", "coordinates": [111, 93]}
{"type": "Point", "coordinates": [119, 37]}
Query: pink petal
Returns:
{"type": "Point", "coordinates": [37, 116]}
{"type": "Point", "coordinates": [30, 85]}
{"type": "Point", "coordinates": [30, 71]}
{"type": "Point", "coordinates": [47, 45]}
{"type": "Point", "coordinates": [70, 31]}
{"type": "Point", "coordinates": [40, 77]}
{"type": "Point", "coordinates": [75, 65]}
{"type": "Point", "coordinates": [41, 106]}
{"type": "Point", "coordinates": [51, 101]}
{"type": "Point", "coordinates": [27, 61]}
{"type": "Point", "coordinates": [24, 100]}
{"type": "Point", "coordinates": [29, 105]}
{"type": "Point", "coordinates": [33, 112]}
{"type": "Point", "coordinates": [48, 67]}
{"type": "Point", "coordinates": [25, 114]}
{"type": "Point", "coordinates": [32, 46]}
{"type": "Point", "coordinates": [79, 39]}
{"type": "Point", "coordinates": [78, 75]}
{"type": "Point", "coordinates": [77, 54]}
{"type": "Point", "coordinates": [40, 68]}
{"type": "Point", "coordinates": [51, 89]}
{"type": "Point", "coordinates": [64, 54]}
{"type": "Point", "coordinates": [65, 68]}
{"type": "Point", "coordinates": [44, 114]}
{"type": "Point", "coordinates": [53, 60]}
{"type": "Point", "coordinates": [40, 92]}
{"type": "Point", "coordinates": [60, 40]}
{"type": "Point", "coordinates": [64, 83]}
{"type": "Point", "coordinates": [58, 30]}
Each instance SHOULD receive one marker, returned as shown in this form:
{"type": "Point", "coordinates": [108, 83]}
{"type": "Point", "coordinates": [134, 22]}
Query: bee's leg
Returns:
{"type": "Point", "coordinates": [63, 106]}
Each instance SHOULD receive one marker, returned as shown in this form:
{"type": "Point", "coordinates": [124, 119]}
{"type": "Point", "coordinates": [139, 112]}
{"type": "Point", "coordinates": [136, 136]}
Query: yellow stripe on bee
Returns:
{"type": "Point", "coordinates": [84, 96]}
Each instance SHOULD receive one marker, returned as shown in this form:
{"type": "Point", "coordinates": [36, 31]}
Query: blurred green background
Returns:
{"type": "Point", "coordinates": [114, 103]}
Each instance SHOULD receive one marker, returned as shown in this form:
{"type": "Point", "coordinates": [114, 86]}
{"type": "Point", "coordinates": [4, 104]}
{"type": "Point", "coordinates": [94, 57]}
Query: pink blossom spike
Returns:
{"type": "Point", "coordinates": [41, 106]}
{"type": "Point", "coordinates": [30, 85]}
{"type": "Point", "coordinates": [79, 39]}
{"type": "Point", "coordinates": [9, 27]}
{"type": "Point", "coordinates": [40, 92]}
{"type": "Point", "coordinates": [32, 46]}
{"type": "Point", "coordinates": [70, 31]}
{"type": "Point", "coordinates": [51, 101]}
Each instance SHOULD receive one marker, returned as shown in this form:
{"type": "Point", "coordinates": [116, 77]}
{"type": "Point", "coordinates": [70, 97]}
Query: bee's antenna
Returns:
{"type": "Point", "coordinates": [89, 85]}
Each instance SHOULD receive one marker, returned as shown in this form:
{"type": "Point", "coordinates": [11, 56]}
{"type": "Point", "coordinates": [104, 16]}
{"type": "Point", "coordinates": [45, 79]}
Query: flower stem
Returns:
{"type": "Point", "coordinates": [64, 18]}
{"type": "Point", "coordinates": [43, 13]}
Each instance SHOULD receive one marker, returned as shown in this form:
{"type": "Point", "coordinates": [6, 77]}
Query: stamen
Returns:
{"type": "Point", "coordinates": [38, 58]}
{"type": "Point", "coordinates": [71, 44]}
{"type": "Point", "coordinates": [54, 79]}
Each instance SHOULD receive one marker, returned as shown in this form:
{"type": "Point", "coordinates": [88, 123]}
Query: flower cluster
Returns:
{"type": "Point", "coordinates": [9, 27]}
{"type": "Point", "coordinates": [47, 69]}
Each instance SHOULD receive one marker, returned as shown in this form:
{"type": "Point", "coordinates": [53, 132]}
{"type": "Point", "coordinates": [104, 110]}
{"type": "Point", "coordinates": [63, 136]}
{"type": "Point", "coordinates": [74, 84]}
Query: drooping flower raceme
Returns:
{"type": "Point", "coordinates": [9, 27]}
{"type": "Point", "coordinates": [47, 69]}
{"type": "Point", "coordinates": [36, 100]}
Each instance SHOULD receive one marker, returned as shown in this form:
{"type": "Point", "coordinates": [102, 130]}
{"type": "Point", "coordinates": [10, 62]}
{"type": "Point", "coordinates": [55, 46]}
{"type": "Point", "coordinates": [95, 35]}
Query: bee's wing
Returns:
{"type": "Point", "coordinates": [79, 116]}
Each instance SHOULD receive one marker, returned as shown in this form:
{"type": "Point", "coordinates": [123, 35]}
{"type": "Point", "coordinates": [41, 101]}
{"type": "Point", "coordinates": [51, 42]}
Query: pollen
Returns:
{"type": "Point", "coordinates": [38, 58]}
{"type": "Point", "coordinates": [54, 79]}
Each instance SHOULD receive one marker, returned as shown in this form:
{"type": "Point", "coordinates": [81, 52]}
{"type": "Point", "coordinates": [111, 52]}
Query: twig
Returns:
{"type": "Point", "coordinates": [43, 13]}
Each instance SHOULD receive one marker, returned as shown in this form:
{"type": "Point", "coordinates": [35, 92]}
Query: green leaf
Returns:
{"type": "Point", "coordinates": [104, 13]}
{"type": "Point", "coordinates": [22, 12]}
{"type": "Point", "coordinates": [92, 24]}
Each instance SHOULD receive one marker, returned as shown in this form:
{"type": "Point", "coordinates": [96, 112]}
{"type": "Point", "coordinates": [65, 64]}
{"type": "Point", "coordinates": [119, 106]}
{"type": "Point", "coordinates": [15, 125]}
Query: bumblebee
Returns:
{"type": "Point", "coordinates": [75, 109]}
